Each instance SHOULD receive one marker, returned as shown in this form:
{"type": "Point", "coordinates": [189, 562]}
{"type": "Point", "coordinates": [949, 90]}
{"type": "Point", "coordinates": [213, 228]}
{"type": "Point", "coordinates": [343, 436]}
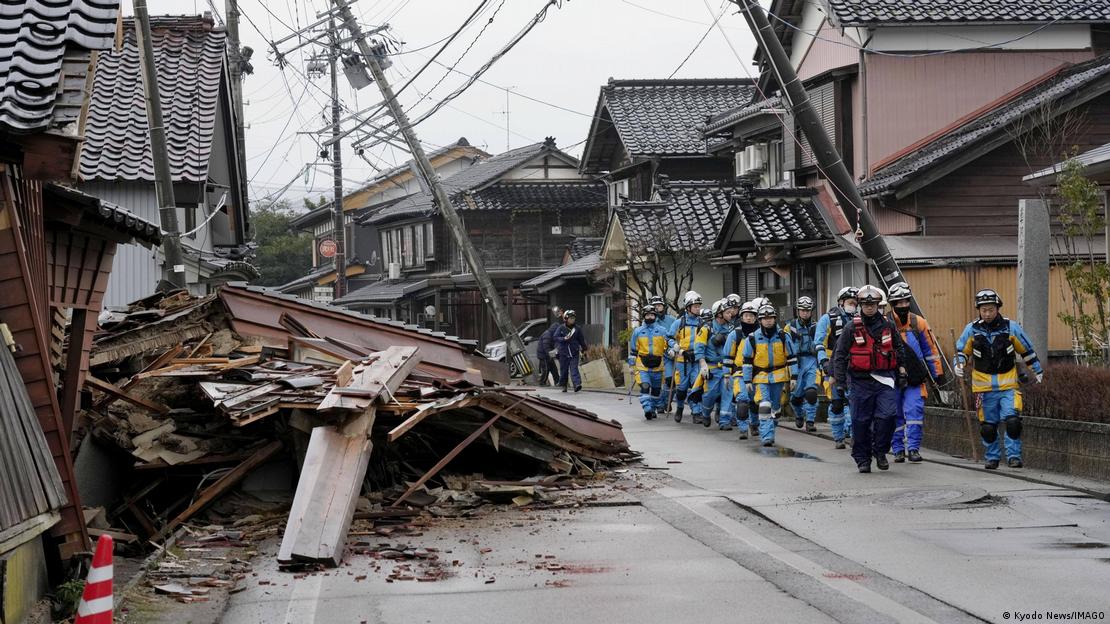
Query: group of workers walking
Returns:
{"type": "Point", "coordinates": [733, 363]}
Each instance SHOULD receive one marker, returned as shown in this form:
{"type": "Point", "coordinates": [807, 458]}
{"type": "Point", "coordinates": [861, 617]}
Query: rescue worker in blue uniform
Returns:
{"type": "Point", "coordinates": [994, 343]}
{"type": "Point", "coordinates": [745, 325]}
{"type": "Point", "coordinates": [923, 360]}
{"type": "Point", "coordinates": [646, 348]}
{"type": "Point", "coordinates": [681, 339]}
{"type": "Point", "coordinates": [664, 320]}
{"type": "Point", "coordinates": [803, 330]}
{"type": "Point", "coordinates": [570, 343]}
{"type": "Point", "coordinates": [711, 355]}
{"type": "Point", "coordinates": [870, 360]}
{"type": "Point", "coordinates": [828, 331]}
{"type": "Point", "coordinates": [701, 382]}
{"type": "Point", "coordinates": [769, 365]}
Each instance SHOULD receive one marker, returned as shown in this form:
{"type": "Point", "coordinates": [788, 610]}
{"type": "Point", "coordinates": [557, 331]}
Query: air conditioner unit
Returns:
{"type": "Point", "coordinates": [394, 270]}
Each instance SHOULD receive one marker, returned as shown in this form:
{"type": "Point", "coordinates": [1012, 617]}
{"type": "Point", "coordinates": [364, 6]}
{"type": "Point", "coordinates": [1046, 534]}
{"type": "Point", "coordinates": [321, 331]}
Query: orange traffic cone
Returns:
{"type": "Point", "coordinates": [96, 601]}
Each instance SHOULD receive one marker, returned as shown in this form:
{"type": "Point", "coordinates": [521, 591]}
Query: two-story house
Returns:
{"type": "Point", "coordinates": [364, 258]}
{"type": "Point", "coordinates": [520, 208]}
{"type": "Point", "coordinates": [206, 162]}
{"type": "Point", "coordinates": [939, 110]}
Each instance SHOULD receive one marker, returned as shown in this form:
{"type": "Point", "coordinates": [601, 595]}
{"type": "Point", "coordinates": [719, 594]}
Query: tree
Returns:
{"type": "Point", "coordinates": [283, 254]}
{"type": "Point", "coordinates": [660, 264]}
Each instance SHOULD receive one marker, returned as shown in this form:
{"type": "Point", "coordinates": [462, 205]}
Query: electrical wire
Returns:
{"type": "Point", "coordinates": [700, 41]}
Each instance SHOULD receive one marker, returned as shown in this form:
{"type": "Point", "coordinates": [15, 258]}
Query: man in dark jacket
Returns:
{"type": "Point", "coordinates": [548, 367]}
{"type": "Point", "coordinates": [869, 360]}
{"type": "Point", "coordinates": [571, 343]}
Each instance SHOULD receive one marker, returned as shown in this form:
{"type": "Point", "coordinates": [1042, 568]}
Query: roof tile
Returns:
{"type": "Point", "coordinates": [687, 217]}
{"type": "Point", "coordinates": [870, 12]}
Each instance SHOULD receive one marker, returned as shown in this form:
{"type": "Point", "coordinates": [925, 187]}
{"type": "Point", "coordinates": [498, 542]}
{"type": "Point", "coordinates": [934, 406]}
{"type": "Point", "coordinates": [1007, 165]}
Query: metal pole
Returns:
{"type": "Point", "coordinates": [830, 161]}
{"type": "Point", "coordinates": [516, 351]}
{"type": "Point", "coordinates": [173, 267]}
{"type": "Point", "coordinates": [235, 59]}
{"type": "Point", "coordinates": [337, 168]}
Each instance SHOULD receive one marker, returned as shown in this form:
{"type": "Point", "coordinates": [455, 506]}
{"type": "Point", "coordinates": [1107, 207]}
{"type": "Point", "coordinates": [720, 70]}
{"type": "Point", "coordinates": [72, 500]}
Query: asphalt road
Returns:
{"type": "Point", "coordinates": [732, 532]}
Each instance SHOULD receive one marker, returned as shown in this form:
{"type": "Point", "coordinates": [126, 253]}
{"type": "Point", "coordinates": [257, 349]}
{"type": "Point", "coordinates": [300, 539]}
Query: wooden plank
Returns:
{"type": "Point", "coordinates": [241, 362]}
{"type": "Point", "coordinates": [224, 484]}
{"type": "Point", "coordinates": [199, 345]}
{"type": "Point", "coordinates": [157, 363]}
{"type": "Point", "coordinates": [117, 536]}
{"type": "Point", "coordinates": [202, 360]}
{"type": "Point", "coordinates": [422, 412]}
{"type": "Point", "coordinates": [393, 363]}
{"type": "Point", "coordinates": [108, 388]}
{"type": "Point", "coordinates": [344, 374]}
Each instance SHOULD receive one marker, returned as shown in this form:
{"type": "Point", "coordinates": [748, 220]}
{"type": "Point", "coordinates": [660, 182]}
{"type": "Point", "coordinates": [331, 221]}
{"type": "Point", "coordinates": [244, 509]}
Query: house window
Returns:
{"type": "Point", "coordinates": [840, 274]}
{"type": "Point", "coordinates": [429, 242]}
{"type": "Point", "coordinates": [190, 219]}
{"type": "Point", "coordinates": [406, 246]}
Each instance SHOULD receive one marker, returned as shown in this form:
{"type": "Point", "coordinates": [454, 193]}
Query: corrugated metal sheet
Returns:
{"type": "Point", "coordinates": [135, 271]}
{"type": "Point", "coordinates": [830, 51]}
{"type": "Point", "coordinates": [823, 98]}
{"type": "Point", "coordinates": [31, 485]}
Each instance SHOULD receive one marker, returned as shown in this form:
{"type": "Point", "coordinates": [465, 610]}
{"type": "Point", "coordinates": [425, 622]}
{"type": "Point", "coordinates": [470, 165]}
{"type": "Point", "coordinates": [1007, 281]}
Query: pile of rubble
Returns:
{"type": "Point", "coordinates": [198, 392]}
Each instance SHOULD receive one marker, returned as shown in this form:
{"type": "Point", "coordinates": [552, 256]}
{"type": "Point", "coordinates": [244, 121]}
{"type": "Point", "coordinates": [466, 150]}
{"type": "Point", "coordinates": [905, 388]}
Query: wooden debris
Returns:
{"type": "Point", "coordinates": [120, 394]}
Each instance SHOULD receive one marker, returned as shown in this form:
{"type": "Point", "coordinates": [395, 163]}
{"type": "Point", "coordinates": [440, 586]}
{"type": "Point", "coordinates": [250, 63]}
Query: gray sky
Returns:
{"type": "Point", "coordinates": [563, 61]}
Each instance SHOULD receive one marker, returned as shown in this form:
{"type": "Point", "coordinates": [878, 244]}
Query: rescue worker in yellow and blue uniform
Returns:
{"type": "Point", "coordinates": [994, 343]}
{"type": "Point", "coordinates": [769, 365]}
{"type": "Point", "coordinates": [701, 382]}
{"type": "Point", "coordinates": [646, 348]}
{"type": "Point", "coordinates": [744, 326]}
{"type": "Point", "coordinates": [923, 360]}
{"type": "Point", "coordinates": [681, 338]}
{"type": "Point", "coordinates": [828, 331]}
{"type": "Point", "coordinates": [711, 355]}
{"type": "Point", "coordinates": [664, 320]}
{"type": "Point", "coordinates": [803, 330]}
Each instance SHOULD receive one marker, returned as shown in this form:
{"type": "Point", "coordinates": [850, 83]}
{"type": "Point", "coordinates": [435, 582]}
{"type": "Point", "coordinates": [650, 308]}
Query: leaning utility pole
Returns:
{"type": "Point", "coordinates": [235, 63]}
{"type": "Point", "coordinates": [337, 167]}
{"type": "Point", "coordinates": [517, 354]}
{"type": "Point", "coordinates": [830, 161]}
{"type": "Point", "coordinates": [173, 267]}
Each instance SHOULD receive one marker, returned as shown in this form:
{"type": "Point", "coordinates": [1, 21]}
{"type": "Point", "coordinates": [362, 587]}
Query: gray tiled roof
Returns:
{"type": "Point", "coordinates": [777, 216]}
{"type": "Point", "coordinates": [107, 214]}
{"type": "Point", "coordinates": [687, 217]}
{"type": "Point", "coordinates": [189, 53]}
{"type": "Point", "coordinates": [555, 195]}
{"type": "Point", "coordinates": [576, 268]}
{"type": "Point", "coordinates": [731, 117]}
{"type": "Point", "coordinates": [382, 292]}
{"type": "Point", "coordinates": [888, 179]}
{"type": "Point", "coordinates": [661, 117]}
{"type": "Point", "coordinates": [584, 246]}
{"type": "Point", "coordinates": [868, 12]}
{"type": "Point", "coordinates": [474, 177]}
{"type": "Point", "coordinates": [44, 52]}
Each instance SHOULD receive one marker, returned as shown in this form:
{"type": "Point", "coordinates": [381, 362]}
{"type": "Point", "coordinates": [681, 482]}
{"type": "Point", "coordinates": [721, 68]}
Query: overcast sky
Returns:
{"type": "Point", "coordinates": [563, 62]}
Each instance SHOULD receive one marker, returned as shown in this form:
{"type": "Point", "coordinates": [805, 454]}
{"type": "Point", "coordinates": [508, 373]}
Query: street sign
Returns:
{"type": "Point", "coordinates": [328, 248]}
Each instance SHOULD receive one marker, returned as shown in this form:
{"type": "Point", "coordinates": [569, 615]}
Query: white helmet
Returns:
{"type": "Point", "coordinates": [804, 303]}
{"type": "Point", "coordinates": [870, 294]}
{"type": "Point", "coordinates": [691, 298]}
{"type": "Point", "coordinates": [767, 311]}
{"type": "Point", "coordinates": [759, 302]}
{"type": "Point", "coordinates": [719, 306]}
{"type": "Point", "coordinates": [749, 307]}
{"type": "Point", "coordinates": [848, 292]}
{"type": "Point", "coordinates": [733, 301]}
{"type": "Point", "coordinates": [899, 291]}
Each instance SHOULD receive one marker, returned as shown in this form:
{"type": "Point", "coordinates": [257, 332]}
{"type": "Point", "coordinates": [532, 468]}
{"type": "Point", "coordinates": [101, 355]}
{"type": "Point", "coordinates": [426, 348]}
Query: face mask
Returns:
{"type": "Point", "coordinates": [850, 309]}
{"type": "Point", "coordinates": [903, 313]}
{"type": "Point", "coordinates": [650, 321]}
{"type": "Point", "coordinates": [747, 327]}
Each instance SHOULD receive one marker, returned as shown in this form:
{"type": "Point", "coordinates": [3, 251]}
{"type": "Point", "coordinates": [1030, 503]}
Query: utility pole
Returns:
{"type": "Point", "coordinates": [337, 166]}
{"type": "Point", "coordinates": [173, 267]}
{"type": "Point", "coordinates": [517, 353]}
{"type": "Point", "coordinates": [506, 114]}
{"type": "Point", "coordinates": [235, 61]}
{"type": "Point", "coordinates": [830, 161]}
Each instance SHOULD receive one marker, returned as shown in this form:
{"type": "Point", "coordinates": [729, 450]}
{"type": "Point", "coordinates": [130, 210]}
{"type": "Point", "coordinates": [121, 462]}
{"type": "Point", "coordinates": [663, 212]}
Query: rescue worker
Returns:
{"type": "Point", "coordinates": [548, 367]}
{"type": "Point", "coordinates": [664, 320]}
{"type": "Point", "coordinates": [994, 342]}
{"type": "Point", "coordinates": [646, 348]}
{"type": "Point", "coordinates": [711, 355]}
{"type": "Point", "coordinates": [769, 365]}
{"type": "Point", "coordinates": [828, 331]}
{"type": "Point", "coordinates": [745, 325]}
{"type": "Point", "coordinates": [922, 362]}
{"type": "Point", "coordinates": [571, 343]}
{"type": "Point", "coordinates": [681, 339]}
{"type": "Point", "coordinates": [869, 358]}
{"type": "Point", "coordinates": [701, 383]}
{"type": "Point", "coordinates": [803, 330]}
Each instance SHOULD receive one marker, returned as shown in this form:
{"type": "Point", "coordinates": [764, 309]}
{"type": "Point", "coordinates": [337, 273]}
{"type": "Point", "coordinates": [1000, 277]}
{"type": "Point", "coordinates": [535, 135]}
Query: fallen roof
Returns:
{"type": "Point", "coordinates": [659, 117]}
{"type": "Point", "coordinates": [687, 217]}
{"type": "Point", "coordinates": [908, 12]}
{"type": "Point", "coordinates": [1092, 78]}
{"type": "Point", "coordinates": [44, 57]}
{"type": "Point", "coordinates": [189, 54]}
{"type": "Point", "coordinates": [580, 268]}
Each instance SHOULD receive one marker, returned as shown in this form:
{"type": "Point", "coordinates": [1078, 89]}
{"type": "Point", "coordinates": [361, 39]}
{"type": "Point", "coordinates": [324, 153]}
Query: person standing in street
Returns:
{"type": "Point", "coordinates": [570, 343]}
{"type": "Point", "coordinates": [711, 356]}
{"type": "Point", "coordinates": [665, 321]}
{"type": "Point", "coordinates": [547, 353]}
{"type": "Point", "coordinates": [645, 355]}
{"type": "Point", "coordinates": [802, 330]}
{"type": "Point", "coordinates": [828, 331]}
{"type": "Point", "coordinates": [769, 365]}
{"type": "Point", "coordinates": [868, 364]}
{"type": "Point", "coordinates": [994, 343]}
{"type": "Point", "coordinates": [922, 362]}
{"type": "Point", "coordinates": [744, 325]}
{"type": "Point", "coordinates": [682, 336]}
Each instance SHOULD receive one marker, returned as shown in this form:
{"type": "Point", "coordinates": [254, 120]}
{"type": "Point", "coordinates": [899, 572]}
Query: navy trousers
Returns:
{"type": "Point", "coordinates": [874, 412]}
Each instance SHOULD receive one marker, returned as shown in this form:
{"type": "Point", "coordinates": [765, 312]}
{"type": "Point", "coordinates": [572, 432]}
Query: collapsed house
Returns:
{"type": "Point", "coordinates": [189, 395]}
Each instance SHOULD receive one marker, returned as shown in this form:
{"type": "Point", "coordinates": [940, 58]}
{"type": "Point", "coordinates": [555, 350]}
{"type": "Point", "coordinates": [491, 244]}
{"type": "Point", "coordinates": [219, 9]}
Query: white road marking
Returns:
{"type": "Point", "coordinates": [304, 600]}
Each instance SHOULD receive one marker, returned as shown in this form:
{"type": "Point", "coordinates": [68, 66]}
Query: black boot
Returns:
{"type": "Point", "coordinates": [864, 468]}
{"type": "Point", "coordinates": [578, 388]}
{"type": "Point", "coordinates": [564, 388]}
{"type": "Point", "coordinates": [649, 415]}
{"type": "Point", "coordinates": [744, 434]}
{"type": "Point", "coordinates": [1014, 462]}
{"type": "Point", "coordinates": [840, 445]}
{"type": "Point", "coordinates": [799, 421]}
{"type": "Point", "coordinates": [708, 420]}
{"type": "Point", "coordinates": [899, 457]}
{"type": "Point", "coordinates": [678, 414]}
{"type": "Point", "coordinates": [881, 463]}
{"type": "Point", "coordinates": [811, 427]}
{"type": "Point", "coordinates": [992, 464]}
{"type": "Point", "coordinates": [914, 455]}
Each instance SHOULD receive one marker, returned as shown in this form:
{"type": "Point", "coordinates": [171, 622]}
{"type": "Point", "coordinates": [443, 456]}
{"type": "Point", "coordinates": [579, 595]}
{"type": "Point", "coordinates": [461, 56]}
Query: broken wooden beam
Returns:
{"type": "Point", "coordinates": [120, 394]}
{"type": "Point", "coordinates": [368, 381]}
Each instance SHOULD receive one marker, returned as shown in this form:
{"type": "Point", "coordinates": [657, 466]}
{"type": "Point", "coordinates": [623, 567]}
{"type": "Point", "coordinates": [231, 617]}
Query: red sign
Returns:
{"type": "Point", "coordinates": [328, 248]}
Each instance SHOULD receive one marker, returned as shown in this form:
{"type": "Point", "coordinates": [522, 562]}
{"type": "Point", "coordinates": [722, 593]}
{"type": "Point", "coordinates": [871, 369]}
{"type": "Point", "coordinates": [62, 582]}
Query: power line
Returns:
{"type": "Point", "coordinates": [700, 41]}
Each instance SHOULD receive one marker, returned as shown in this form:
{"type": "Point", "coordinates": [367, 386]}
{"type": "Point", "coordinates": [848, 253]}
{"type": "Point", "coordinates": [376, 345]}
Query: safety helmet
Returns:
{"type": "Point", "coordinates": [848, 292]}
{"type": "Point", "coordinates": [691, 298]}
{"type": "Point", "coordinates": [733, 301]}
{"type": "Point", "coordinates": [749, 307]}
{"type": "Point", "coordinates": [569, 314]}
{"type": "Point", "coordinates": [719, 306]}
{"type": "Point", "coordinates": [869, 294]}
{"type": "Point", "coordinates": [767, 311]}
{"type": "Point", "coordinates": [884, 303]}
{"type": "Point", "coordinates": [899, 291]}
{"type": "Point", "coordinates": [759, 302]}
{"type": "Point", "coordinates": [706, 315]}
{"type": "Point", "coordinates": [648, 309]}
{"type": "Point", "coordinates": [986, 296]}
{"type": "Point", "coordinates": [804, 303]}
{"type": "Point", "coordinates": [656, 300]}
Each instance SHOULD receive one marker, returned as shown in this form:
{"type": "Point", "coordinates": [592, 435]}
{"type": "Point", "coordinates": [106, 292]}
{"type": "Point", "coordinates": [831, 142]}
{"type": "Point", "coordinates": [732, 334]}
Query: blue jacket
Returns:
{"type": "Point", "coordinates": [547, 338]}
{"type": "Point", "coordinates": [650, 340]}
{"type": "Point", "coordinates": [684, 333]}
{"type": "Point", "coordinates": [825, 336]}
{"type": "Point", "coordinates": [768, 359]}
{"type": "Point", "coordinates": [570, 341]}
{"type": "Point", "coordinates": [993, 349]}
{"type": "Point", "coordinates": [804, 337]}
{"type": "Point", "coordinates": [709, 349]}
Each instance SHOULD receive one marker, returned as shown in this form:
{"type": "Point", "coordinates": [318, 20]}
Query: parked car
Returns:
{"type": "Point", "coordinates": [529, 332]}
